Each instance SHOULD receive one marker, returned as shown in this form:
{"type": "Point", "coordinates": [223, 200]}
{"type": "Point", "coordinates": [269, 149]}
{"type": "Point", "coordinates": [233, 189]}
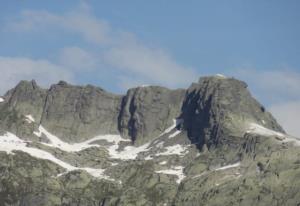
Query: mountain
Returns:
{"type": "Point", "coordinates": [209, 144]}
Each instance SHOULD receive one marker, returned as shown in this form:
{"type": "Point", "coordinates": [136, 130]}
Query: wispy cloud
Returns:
{"type": "Point", "coordinates": [288, 115]}
{"type": "Point", "coordinates": [77, 59]}
{"type": "Point", "coordinates": [152, 65]}
{"type": "Point", "coordinates": [272, 85]}
{"type": "Point", "coordinates": [120, 51]}
{"type": "Point", "coordinates": [79, 21]}
{"type": "Point", "coordinates": [280, 90]}
{"type": "Point", "coordinates": [13, 69]}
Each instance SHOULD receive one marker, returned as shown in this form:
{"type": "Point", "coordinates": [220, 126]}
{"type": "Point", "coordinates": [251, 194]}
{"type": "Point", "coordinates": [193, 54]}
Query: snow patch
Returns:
{"type": "Point", "coordinates": [177, 132]}
{"type": "Point", "coordinates": [129, 152]}
{"type": "Point", "coordinates": [174, 150]}
{"type": "Point", "coordinates": [1, 99]}
{"type": "Point", "coordinates": [76, 147]}
{"type": "Point", "coordinates": [148, 158]}
{"type": "Point", "coordinates": [145, 85]}
{"type": "Point", "coordinates": [176, 122]}
{"type": "Point", "coordinates": [178, 171]}
{"type": "Point", "coordinates": [221, 76]}
{"type": "Point", "coordinates": [160, 145]}
{"type": "Point", "coordinates": [258, 129]}
{"type": "Point", "coordinates": [29, 118]}
{"type": "Point", "coordinates": [163, 163]}
{"type": "Point", "coordinates": [228, 166]}
{"type": "Point", "coordinates": [10, 142]}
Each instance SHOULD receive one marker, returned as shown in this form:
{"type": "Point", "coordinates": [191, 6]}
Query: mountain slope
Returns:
{"type": "Point", "coordinates": [212, 144]}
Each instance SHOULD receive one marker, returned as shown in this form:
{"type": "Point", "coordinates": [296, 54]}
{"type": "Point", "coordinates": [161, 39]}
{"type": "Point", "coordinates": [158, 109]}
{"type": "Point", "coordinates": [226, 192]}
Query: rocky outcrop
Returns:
{"type": "Point", "coordinates": [27, 98]}
{"type": "Point", "coordinates": [225, 149]}
{"type": "Point", "coordinates": [77, 113]}
{"type": "Point", "coordinates": [148, 111]}
{"type": "Point", "coordinates": [216, 111]}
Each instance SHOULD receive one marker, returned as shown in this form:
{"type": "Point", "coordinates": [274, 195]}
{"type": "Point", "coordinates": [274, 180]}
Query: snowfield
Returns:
{"type": "Point", "coordinates": [10, 142]}
{"type": "Point", "coordinates": [29, 118]}
{"type": "Point", "coordinates": [258, 129]}
{"type": "Point", "coordinates": [178, 171]}
{"type": "Point", "coordinates": [76, 147]}
{"type": "Point", "coordinates": [228, 166]}
{"type": "Point", "coordinates": [177, 132]}
{"type": "Point", "coordinates": [128, 153]}
{"type": "Point", "coordinates": [1, 99]}
{"type": "Point", "coordinates": [174, 150]}
{"type": "Point", "coordinates": [261, 130]}
{"type": "Point", "coordinates": [176, 122]}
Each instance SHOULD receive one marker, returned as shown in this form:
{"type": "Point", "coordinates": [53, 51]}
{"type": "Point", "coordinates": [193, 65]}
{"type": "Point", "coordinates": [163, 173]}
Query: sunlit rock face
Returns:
{"type": "Point", "coordinates": [209, 144]}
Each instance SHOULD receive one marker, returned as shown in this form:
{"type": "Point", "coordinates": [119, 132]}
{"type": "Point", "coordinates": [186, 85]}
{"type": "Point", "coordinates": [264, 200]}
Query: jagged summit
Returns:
{"type": "Point", "coordinates": [214, 106]}
{"type": "Point", "coordinates": [209, 144]}
{"type": "Point", "coordinates": [216, 109]}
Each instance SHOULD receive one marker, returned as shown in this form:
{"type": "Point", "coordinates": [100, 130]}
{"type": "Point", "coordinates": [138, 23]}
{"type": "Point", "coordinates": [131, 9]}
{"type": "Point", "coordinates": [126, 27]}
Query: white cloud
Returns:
{"type": "Point", "coordinates": [275, 85]}
{"type": "Point", "coordinates": [280, 89]}
{"type": "Point", "coordinates": [120, 51]}
{"type": "Point", "coordinates": [79, 21]}
{"type": "Point", "coordinates": [14, 69]}
{"type": "Point", "coordinates": [151, 65]}
{"type": "Point", "coordinates": [77, 59]}
{"type": "Point", "coordinates": [288, 115]}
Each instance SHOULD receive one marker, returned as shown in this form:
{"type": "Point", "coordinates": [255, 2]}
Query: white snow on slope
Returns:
{"type": "Point", "coordinates": [177, 132]}
{"type": "Point", "coordinates": [145, 85]}
{"type": "Point", "coordinates": [76, 147]}
{"type": "Point", "coordinates": [163, 163]}
{"type": "Point", "coordinates": [176, 122]}
{"type": "Point", "coordinates": [1, 99]}
{"type": "Point", "coordinates": [174, 150]}
{"type": "Point", "coordinates": [129, 152]}
{"type": "Point", "coordinates": [258, 129]}
{"type": "Point", "coordinates": [228, 166]}
{"type": "Point", "coordinates": [178, 171]}
{"type": "Point", "coordinates": [29, 118]}
{"type": "Point", "coordinates": [221, 75]}
{"type": "Point", "coordinates": [10, 142]}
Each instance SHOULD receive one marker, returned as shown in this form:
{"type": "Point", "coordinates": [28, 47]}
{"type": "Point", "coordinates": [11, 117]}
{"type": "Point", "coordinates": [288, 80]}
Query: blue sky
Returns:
{"type": "Point", "coordinates": [122, 44]}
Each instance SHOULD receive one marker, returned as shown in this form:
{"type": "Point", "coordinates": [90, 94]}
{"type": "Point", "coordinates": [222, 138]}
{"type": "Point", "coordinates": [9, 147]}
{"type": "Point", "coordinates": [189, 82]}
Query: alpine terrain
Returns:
{"type": "Point", "coordinates": [210, 144]}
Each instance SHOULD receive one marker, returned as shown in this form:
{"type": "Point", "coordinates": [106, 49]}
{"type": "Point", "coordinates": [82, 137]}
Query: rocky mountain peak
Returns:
{"type": "Point", "coordinates": [217, 109]}
{"type": "Point", "coordinates": [209, 144]}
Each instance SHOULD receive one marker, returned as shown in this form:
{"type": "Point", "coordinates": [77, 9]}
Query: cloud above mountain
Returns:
{"type": "Point", "coordinates": [106, 49]}
{"type": "Point", "coordinates": [14, 69]}
{"type": "Point", "coordinates": [280, 90]}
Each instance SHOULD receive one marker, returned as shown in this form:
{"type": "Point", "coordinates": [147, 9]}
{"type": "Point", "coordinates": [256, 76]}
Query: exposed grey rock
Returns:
{"type": "Point", "coordinates": [148, 111]}
{"type": "Point", "coordinates": [208, 159]}
{"type": "Point", "coordinates": [216, 111]}
{"type": "Point", "coordinates": [77, 113]}
{"type": "Point", "coordinates": [27, 98]}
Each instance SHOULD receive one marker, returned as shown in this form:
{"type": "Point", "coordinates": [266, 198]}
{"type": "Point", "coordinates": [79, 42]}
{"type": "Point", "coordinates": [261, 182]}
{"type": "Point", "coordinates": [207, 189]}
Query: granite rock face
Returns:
{"type": "Point", "coordinates": [216, 111]}
{"type": "Point", "coordinates": [148, 111]}
{"type": "Point", "coordinates": [79, 113]}
{"type": "Point", "coordinates": [211, 144]}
